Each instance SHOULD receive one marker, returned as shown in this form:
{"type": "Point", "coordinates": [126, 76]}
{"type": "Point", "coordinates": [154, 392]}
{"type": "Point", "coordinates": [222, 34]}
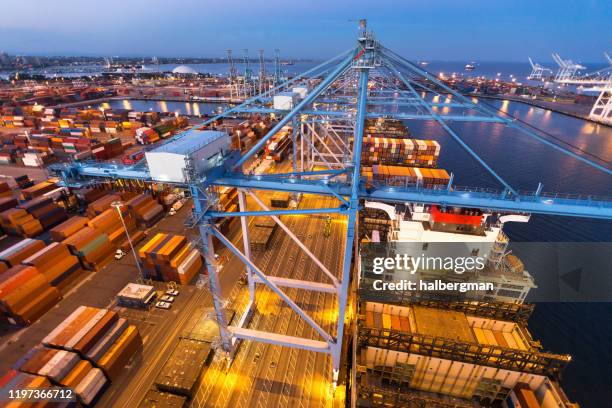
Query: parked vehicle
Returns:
{"type": "Point", "coordinates": [119, 253]}
{"type": "Point", "coordinates": [163, 305]}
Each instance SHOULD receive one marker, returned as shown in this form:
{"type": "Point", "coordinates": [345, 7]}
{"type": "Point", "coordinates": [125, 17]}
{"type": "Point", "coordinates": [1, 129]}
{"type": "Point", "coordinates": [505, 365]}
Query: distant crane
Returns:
{"type": "Point", "coordinates": [596, 81]}
{"type": "Point", "coordinates": [537, 71]}
{"type": "Point", "coordinates": [277, 67]}
{"type": "Point", "coordinates": [262, 72]}
{"type": "Point", "coordinates": [233, 76]}
{"type": "Point", "coordinates": [248, 73]}
{"type": "Point", "coordinates": [567, 68]}
{"type": "Point", "coordinates": [602, 108]}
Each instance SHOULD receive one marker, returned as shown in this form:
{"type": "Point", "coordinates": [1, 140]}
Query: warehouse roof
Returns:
{"type": "Point", "coordinates": [184, 69]}
{"type": "Point", "coordinates": [189, 141]}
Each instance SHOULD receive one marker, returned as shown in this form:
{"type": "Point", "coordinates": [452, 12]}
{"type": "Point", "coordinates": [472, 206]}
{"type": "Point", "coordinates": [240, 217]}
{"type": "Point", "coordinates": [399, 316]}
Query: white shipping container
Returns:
{"type": "Point", "coordinates": [186, 264]}
{"type": "Point", "coordinates": [63, 366]}
{"type": "Point", "coordinates": [285, 100]}
{"type": "Point", "coordinates": [301, 91]}
{"type": "Point", "coordinates": [85, 329]}
{"type": "Point", "coordinates": [90, 385]}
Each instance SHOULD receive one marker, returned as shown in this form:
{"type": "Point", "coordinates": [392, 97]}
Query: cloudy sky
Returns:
{"type": "Point", "coordinates": [428, 29]}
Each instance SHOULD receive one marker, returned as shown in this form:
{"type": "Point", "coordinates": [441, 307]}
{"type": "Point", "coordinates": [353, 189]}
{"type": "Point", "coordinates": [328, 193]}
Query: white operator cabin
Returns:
{"type": "Point", "coordinates": [203, 148]}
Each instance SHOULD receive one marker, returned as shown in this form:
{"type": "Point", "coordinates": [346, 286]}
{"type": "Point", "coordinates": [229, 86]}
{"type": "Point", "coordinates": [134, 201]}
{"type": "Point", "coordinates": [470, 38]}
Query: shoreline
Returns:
{"type": "Point", "coordinates": [144, 98]}
{"type": "Point", "coordinates": [542, 105]}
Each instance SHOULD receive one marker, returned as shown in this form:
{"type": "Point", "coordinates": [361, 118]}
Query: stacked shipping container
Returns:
{"type": "Point", "coordinates": [386, 150]}
{"type": "Point", "coordinates": [406, 176]}
{"type": "Point", "coordinates": [57, 264]}
{"type": "Point", "coordinates": [92, 247]}
{"type": "Point", "coordinates": [85, 352]}
{"type": "Point", "coordinates": [25, 294]}
{"type": "Point", "coordinates": [146, 210]}
{"type": "Point", "coordinates": [47, 212]}
{"type": "Point", "coordinates": [168, 257]}
{"type": "Point", "coordinates": [182, 370]}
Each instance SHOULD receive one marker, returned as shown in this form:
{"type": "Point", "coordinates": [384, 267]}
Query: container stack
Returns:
{"type": "Point", "coordinates": [5, 191]}
{"type": "Point", "coordinates": [85, 352]}
{"type": "Point", "coordinates": [102, 204]}
{"type": "Point", "coordinates": [146, 210]}
{"type": "Point", "coordinates": [89, 195]}
{"type": "Point", "coordinates": [261, 233]}
{"type": "Point", "coordinates": [45, 211]}
{"type": "Point", "coordinates": [17, 221]}
{"type": "Point", "coordinates": [99, 336]}
{"type": "Point", "coordinates": [23, 181]}
{"type": "Point", "coordinates": [386, 150]}
{"type": "Point", "coordinates": [57, 264]}
{"type": "Point", "coordinates": [385, 127]}
{"type": "Point", "coordinates": [522, 396]}
{"type": "Point", "coordinates": [109, 223]}
{"type": "Point", "coordinates": [39, 189]}
{"type": "Point", "coordinates": [8, 202]}
{"type": "Point", "coordinates": [168, 257]}
{"type": "Point", "coordinates": [167, 199]}
{"type": "Point", "coordinates": [18, 380]}
{"type": "Point", "coordinates": [25, 295]}
{"type": "Point", "coordinates": [407, 176]}
{"type": "Point", "coordinates": [157, 399]}
{"type": "Point", "coordinates": [280, 200]}
{"type": "Point", "coordinates": [68, 228]}
{"type": "Point", "coordinates": [92, 247]}
{"type": "Point", "coordinates": [181, 372]}
{"type": "Point", "coordinates": [15, 254]}
{"type": "Point", "coordinates": [145, 135]}
{"type": "Point", "coordinates": [113, 147]}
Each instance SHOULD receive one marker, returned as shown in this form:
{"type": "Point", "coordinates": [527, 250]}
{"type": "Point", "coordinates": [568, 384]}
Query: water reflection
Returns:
{"type": "Point", "coordinates": [504, 106]}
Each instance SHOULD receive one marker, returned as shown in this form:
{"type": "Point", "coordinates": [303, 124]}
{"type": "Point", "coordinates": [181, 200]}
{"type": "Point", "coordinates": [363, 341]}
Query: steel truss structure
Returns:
{"type": "Point", "coordinates": [567, 68]}
{"type": "Point", "coordinates": [367, 81]}
{"type": "Point", "coordinates": [527, 361]}
{"type": "Point", "coordinates": [376, 393]}
{"type": "Point", "coordinates": [596, 81]}
{"type": "Point", "coordinates": [538, 72]}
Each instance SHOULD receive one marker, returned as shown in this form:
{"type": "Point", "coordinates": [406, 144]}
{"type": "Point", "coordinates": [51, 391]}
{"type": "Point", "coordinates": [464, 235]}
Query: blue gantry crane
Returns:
{"type": "Point", "coordinates": [327, 107]}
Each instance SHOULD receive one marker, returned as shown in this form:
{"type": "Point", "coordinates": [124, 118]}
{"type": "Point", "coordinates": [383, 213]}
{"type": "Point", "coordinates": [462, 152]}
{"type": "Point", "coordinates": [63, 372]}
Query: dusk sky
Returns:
{"type": "Point", "coordinates": [442, 30]}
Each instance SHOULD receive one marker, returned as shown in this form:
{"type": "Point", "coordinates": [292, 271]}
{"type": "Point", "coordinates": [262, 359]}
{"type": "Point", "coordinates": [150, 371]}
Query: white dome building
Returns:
{"type": "Point", "coordinates": [184, 70]}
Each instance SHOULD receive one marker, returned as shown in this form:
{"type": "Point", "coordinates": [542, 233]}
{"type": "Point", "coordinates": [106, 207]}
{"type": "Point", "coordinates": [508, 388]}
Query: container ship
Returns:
{"type": "Point", "coordinates": [434, 348]}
